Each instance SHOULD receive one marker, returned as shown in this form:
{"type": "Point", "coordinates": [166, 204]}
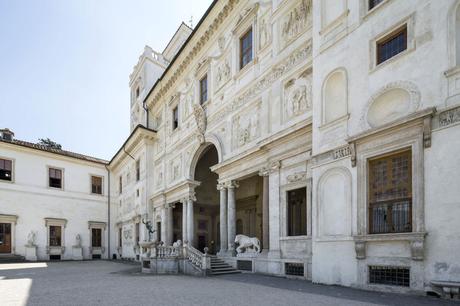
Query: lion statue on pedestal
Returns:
{"type": "Point", "coordinates": [247, 244]}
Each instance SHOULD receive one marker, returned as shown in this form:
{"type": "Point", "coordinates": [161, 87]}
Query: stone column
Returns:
{"type": "Point", "coordinates": [274, 212]}
{"type": "Point", "coordinates": [223, 219]}
{"type": "Point", "coordinates": [184, 220]}
{"type": "Point", "coordinates": [170, 227]}
{"type": "Point", "coordinates": [190, 222]}
{"type": "Point", "coordinates": [231, 216]}
{"type": "Point", "coordinates": [265, 211]}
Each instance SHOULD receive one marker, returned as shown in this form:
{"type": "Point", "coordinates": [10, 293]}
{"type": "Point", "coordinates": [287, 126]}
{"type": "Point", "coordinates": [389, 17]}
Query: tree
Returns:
{"type": "Point", "coordinates": [49, 143]}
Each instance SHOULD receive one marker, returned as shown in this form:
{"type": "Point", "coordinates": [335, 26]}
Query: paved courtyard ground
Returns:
{"type": "Point", "coordinates": [114, 283]}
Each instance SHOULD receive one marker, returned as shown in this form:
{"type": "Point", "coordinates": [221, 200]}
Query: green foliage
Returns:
{"type": "Point", "coordinates": [49, 143]}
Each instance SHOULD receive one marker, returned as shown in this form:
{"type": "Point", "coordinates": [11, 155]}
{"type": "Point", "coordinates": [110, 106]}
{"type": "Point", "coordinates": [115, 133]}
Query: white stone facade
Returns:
{"type": "Point", "coordinates": [300, 124]}
{"type": "Point", "coordinates": [30, 205]}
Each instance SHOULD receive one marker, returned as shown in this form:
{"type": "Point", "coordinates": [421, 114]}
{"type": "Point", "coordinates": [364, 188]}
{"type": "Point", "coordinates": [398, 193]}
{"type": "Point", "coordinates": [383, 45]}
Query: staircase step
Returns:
{"type": "Point", "coordinates": [12, 258]}
{"type": "Point", "coordinates": [225, 272]}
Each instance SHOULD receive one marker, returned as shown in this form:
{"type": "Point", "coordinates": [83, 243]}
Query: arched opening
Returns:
{"type": "Point", "coordinates": [206, 211]}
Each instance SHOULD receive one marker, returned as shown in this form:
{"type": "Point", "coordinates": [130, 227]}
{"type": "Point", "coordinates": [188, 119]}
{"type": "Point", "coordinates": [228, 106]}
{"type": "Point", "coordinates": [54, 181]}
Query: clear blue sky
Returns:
{"type": "Point", "coordinates": [65, 65]}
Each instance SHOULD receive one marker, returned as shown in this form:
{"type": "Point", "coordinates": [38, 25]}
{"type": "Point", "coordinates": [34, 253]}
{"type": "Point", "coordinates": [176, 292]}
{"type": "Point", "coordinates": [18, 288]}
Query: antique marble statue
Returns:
{"type": "Point", "coordinates": [78, 241]}
{"type": "Point", "coordinates": [247, 244]}
{"type": "Point", "coordinates": [31, 238]}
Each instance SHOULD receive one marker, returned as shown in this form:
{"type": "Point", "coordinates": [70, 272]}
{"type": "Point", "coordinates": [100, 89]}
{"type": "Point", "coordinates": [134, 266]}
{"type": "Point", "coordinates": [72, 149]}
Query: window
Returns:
{"type": "Point", "coordinates": [138, 170]}
{"type": "Point", "coordinates": [294, 268]}
{"type": "Point", "coordinates": [175, 121]}
{"type": "Point", "coordinates": [138, 230]}
{"type": "Point", "coordinates": [246, 48]}
{"type": "Point", "coordinates": [120, 237]}
{"type": "Point", "coordinates": [297, 212]}
{"type": "Point", "coordinates": [96, 237]}
{"type": "Point", "coordinates": [392, 45]}
{"type": "Point", "coordinates": [374, 3]}
{"type": "Point", "coordinates": [390, 194]}
{"type": "Point", "coordinates": [396, 276]}
{"type": "Point", "coordinates": [204, 89]}
{"type": "Point", "coordinates": [137, 193]}
{"type": "Point", "coordinates": [6, 169]}
{"type": "Point", "coordinates": [137, 92]}
{"type": "Point", "coordinates": [55, 236]}
{"type": "Point", "coordinates": [96, 184]}
{"type": "Point", "coordinates": [55, 178]}
{"type": "Point", "coordinates": [120, 184]}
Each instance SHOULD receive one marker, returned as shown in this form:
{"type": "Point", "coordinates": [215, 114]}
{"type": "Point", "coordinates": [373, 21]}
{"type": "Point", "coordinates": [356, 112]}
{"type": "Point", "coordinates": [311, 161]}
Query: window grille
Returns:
{"type": "Point", "coordinates": [392, 45]}
{"type": "Point", "coordinates": [384, 275]}
{"type": "Point", "coordinates": [296, 269]}
{"type": "Point", "coordinates": [246, 48]}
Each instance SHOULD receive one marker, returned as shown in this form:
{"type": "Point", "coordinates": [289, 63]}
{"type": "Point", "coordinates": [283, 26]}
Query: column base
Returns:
{"type": "Point", "coordinates": [222, 253]}
{"type": "Point", "coordinates": [274, 254]}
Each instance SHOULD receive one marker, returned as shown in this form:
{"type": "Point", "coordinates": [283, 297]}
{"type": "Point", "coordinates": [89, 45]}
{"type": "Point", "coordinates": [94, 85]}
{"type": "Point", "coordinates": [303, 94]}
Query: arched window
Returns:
{"type": "Point", "coordinates": [335, 96]}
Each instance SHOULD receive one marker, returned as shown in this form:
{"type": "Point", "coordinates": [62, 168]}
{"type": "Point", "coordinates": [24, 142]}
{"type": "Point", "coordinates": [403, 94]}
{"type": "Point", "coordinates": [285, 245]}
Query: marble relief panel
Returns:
{"type": "Point", "coordinates": [297, 99]}
{"type": "Point", "coordinates": [246, 126]}
{"type": "Point", "coordinates": [295, 22]}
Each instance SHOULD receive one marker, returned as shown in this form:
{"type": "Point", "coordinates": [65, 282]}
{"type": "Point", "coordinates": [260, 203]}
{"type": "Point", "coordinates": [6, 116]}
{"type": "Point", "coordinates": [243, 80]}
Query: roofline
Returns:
{"type": "Point", "coordinates": [177, 31]}
{"type": "Point", "coordinates": [181, 49]}
{"type": "Point", "coordinates": [90, 159]}
{"type": "Point", "coordinates": [139, 126]}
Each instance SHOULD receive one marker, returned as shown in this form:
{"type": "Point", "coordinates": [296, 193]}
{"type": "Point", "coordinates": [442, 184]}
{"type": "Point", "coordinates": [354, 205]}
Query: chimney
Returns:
{"type": "Point", "coordinates": [6, 134]}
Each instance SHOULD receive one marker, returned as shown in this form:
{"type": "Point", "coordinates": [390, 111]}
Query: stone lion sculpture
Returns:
{"type": "Point", "coordinates": [246, 243]}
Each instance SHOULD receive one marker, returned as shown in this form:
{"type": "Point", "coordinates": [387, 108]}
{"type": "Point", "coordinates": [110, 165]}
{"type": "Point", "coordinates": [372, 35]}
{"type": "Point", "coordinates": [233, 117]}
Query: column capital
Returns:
{"type": "Point", "coordinates": [221, 186]}
{"type": "Point", "coordinates": [170, 205]}
{"type": "Point", "coordinates": [269, 168]}
{"type": "Point", "coordinates": [232, 184]}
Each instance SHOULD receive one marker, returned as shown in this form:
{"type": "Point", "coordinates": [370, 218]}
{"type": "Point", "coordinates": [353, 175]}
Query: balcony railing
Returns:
{"type": "Point", "coordinates": [390, 216]}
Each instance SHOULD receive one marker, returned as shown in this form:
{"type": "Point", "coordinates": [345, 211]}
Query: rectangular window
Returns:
{"type": "Point", "coordinates": [120, 184]}
{"type": "Point", "coordinates": [55, 236]}
{"type": "Point", "coordinates": [138, 170]}
{"type": "Point", "coordinates": [390, 194]}
{"type": "Point", "coordinates": [55, 178]}
{"type": "Point", "coordinates": [175, 123]}
{"type": "Point", "coordinates": [374, 3]}
{"type": "Point", "coordinates": [6, 169]}
{"type": "Point", "coordinates": [138, 230]}
{"type": "Point", "coordinates": [395, 276]}
{"type": "Point", "coordinates": [204, 89]}
{"type": "Point", "coordinates": [392, 45]}
{"type": "Point", "coordinates": [96, 237]}
{"type": "Point", "coordinates": [297, 212]}
{"type": "Point", "coordinates": [137, 92]}
{"type": "Point", "coordinates": [246, 48]}
{"type": "Point", "coordinates": [120, 237]}
{"type": "Point", "coordinates": [96, 184]}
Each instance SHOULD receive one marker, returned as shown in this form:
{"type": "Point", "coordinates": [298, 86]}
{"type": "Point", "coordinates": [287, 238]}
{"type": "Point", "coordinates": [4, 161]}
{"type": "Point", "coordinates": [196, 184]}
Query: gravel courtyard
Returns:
{"type": "Point", "coordinates": [114, 283]}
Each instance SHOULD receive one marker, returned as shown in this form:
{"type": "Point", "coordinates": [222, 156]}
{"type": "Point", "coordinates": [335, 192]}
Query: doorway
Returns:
{"type": "Point", "coordinates": [5, 237]}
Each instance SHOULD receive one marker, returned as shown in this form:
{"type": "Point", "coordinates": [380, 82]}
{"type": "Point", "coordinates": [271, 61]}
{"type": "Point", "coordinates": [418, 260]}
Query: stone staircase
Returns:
{"type": "Point", "coordinates": [219, 267]}
{"type": "Point", "coordinates": [11, 258]}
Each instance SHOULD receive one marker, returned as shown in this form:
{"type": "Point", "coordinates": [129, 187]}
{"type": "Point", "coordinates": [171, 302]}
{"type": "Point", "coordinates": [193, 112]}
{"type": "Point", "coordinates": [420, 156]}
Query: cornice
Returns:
{"type": "Point", "coordinates": [192, 49]}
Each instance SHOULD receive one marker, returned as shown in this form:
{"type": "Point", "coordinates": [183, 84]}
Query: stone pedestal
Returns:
{"type": "Point", "coordinates": [77, 253]}
{"type": "Point", "coordinates": [31, 252]}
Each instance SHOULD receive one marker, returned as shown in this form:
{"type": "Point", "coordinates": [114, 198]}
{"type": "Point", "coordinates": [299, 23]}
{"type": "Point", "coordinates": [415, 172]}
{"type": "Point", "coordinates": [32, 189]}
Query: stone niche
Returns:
{"type": "Point", "coordinates": [392, 102]}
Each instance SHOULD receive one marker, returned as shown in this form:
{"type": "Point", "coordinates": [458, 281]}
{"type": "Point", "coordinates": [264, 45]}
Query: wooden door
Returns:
{"type": "Point", "coordinates": [5, 237]}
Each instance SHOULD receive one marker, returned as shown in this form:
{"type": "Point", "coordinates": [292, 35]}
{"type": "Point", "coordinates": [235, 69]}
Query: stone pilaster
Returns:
{"type": "Point", "coordinates": [265, 210]}
{"type": "Point", "coordinates": [169, 223]}
{"type": "Point", "coordinates": [184, 220]}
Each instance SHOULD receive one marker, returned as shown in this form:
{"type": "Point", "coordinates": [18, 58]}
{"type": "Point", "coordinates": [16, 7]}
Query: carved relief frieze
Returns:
{"type": "Point", "coordinates": [295, 22]}
{"type": "Point", "coordinates": [223, 73]}
{"type": "Point", "coordinates": [200, 118]}
{"type": "Point", "coordinates": [297, 95]}
{"type": "Point", "coordinates": [175, 168]}
{"type": "Point", "coordinates": [332, 155]}
{"type": "Point", "coordinates": [449, 117]}
{"type": "Point", "coordinates": [298, 57]}
{"type": "Point", "coordinates": [297, 177]}
{"type": "Point", "coordinates": [246, 127]}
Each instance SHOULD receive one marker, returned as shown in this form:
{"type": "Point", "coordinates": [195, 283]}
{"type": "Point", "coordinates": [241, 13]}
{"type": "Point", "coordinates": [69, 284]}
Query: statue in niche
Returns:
{"type": "Point", "coordinates": [31, 238]}
{"type": "Point", "coordinates": [78, 241]}
{"type": "Point", "coordinates": [264, 33]}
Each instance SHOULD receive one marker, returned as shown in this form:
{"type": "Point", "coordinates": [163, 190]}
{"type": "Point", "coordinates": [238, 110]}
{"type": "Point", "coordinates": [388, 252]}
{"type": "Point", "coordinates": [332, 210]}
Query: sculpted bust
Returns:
{"type": "Point", "coordinates": [31, 239]}
{"type": "Point", "coordinates": [78, 241]}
